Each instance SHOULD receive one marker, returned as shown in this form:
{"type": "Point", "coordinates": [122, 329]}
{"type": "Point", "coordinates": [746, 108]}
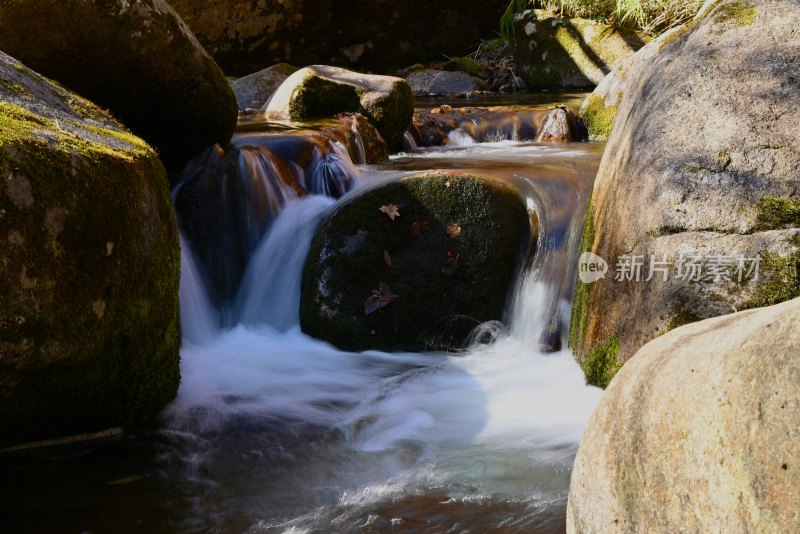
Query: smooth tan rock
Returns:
{"type": "Point", "coordinates": [704, 156]}
{"type": "Point", "coordinates": [699, 432]}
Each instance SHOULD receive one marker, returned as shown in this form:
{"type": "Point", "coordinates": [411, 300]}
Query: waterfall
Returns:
{"type": "Point", "coordinates": [199, 320]}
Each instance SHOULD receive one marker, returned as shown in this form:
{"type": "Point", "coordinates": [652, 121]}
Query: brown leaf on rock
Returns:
{"type": "Point", "coordinates": [391, 210]}
{"type": "Point", "coordinates": [419, 228]}
{"type": "Point", "coordinates": [451, 264]}
{"type": "Point", "coordinates": [380, 298]}
{"type": "Point", "coordinates": [387, 258]}
{"type": "Point", "coordinates": [454, 230]}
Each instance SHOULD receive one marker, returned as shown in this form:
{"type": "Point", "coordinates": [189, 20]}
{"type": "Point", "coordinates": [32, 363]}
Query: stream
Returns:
{"type": "Point", "coordinates": [273, 431]}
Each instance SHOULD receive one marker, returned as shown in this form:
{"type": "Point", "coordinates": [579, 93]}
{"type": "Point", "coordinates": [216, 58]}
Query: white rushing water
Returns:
{"type": "Point", "coordinates": [500, 421]}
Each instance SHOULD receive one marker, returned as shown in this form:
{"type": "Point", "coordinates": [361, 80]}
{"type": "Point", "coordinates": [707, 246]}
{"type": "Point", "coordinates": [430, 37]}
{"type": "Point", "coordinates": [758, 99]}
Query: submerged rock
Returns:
{"type": "Point", "coordinates": [702, 167]}
{"type": "Point", "coordinates": [415, 264]}
{"type": "Point", "coordinates": [254, 90]}
{"type": "Point", "coordinates": [556, 53]}
{"type": "Point", "coordinates": [322, 91]}
{"type": "Point", "coordinates": [699, 432]}
{"type": "Point", "coordinates": [137, 59]}
{"type": "Point", "coordinates": [89, 266]}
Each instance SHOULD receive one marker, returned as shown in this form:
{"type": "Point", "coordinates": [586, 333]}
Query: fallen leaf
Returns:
{"type": "Point", "coordinates": [419, 228]}
{"type": "Point", "coordinates": [387, 258]}
{"type": "Point", "coordinates": [451, 264]}
{"type": "Point", "coordinates": [392, 211]}
{"type": "Point", "coordinates": [453, 230]}
{"type": "Point", "coordinates": [447, 183]}
{"type": "Point", "coordinates": [380, 298]}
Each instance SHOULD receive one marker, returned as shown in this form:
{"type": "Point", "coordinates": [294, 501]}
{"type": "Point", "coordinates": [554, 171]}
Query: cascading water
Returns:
{"type": "Point", "coordinates": [273, 431]}
{"type": "Point", "coordinates": [323, 440]}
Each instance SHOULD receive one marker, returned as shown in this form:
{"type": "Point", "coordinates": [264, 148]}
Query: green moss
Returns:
{"type": "Point", "coordinates": [600, 363]}
{"type": "Point", "coordinates": [681, 316]}
{"type": "Point", "coordinates": [392, 115]}
{"type": "Point", "coordinates": [743, 13]}
{"type": "Point", "coordinates": [317, 97]}
{"type": "Point", "coordinates": [465, 64]}
{"type": "Point", "coordinates": [580, 302]}
{"type": "Point", "coordinates": [599, 118]}
{"type": "Point", "coordinates": [779, 278]}
{"type": "Point", "coordinates": [14, 87]}
{"type": "Point", "coordinates": [777, 212]}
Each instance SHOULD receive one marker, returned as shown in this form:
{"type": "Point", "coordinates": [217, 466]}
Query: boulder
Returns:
{"type": "Point", "coordinates": [323, 91]}
{"type": "Point", "coordinates": [703, 165]}
{"type": "Point", "coordinates": [444, 83]}
{"type": "Point", "coordinates": [89, 266]}
{"type": "Point", "coordinates": [254, 90]}
{"type": "Point", "coordinates": [560, 125]}
{"type": "Point", "coordinates": [699, 432]}
{"type": "Point", "coordinates": [600, 108]}
{"type": "Point", "coordinates": [415, 264]}
{"type": "Point", "coordinates": [575, 53]}
{"type": "Point", "coordinates": [136, 58]}
{"type": "Point", "coordinates": [245, 37]}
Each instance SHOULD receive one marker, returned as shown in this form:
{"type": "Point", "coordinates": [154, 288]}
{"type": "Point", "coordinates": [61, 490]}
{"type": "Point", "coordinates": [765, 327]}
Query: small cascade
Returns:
{"type": "Point", "coordinates": [270, 290]}
{"type": "Point", "coordinates": [409, 141]}
{"type": "Point", "coordinates": [226, 207]}
{"type": "Point", "coordinates": [459, 137]}
{"type": "Point", "coordinates": [200, 323]}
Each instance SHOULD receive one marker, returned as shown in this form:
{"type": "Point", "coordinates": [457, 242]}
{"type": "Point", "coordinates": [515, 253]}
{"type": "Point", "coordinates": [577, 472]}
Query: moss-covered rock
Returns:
{"type": "Point", "coordinates": [89, 267]}
{"type": "Point", "coordinates": [323, 91]}
{"type": "Point", "coordinates": [465, 64]}
{"type": "Point", "coordinates": [556, 53]}
{"type": "Point", "coordinates": [430, 82]}
{"type": "Point", "coordinates": [136, 58]}
{"type": "Point", "coordinates": [422, 280]}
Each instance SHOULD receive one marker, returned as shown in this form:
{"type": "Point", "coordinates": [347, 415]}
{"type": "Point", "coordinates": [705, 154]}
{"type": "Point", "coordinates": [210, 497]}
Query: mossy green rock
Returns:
{"type": "Point", "coordinates": [89, 267]}
{"type": "Point", "coordinates": [556, 53]}
{"type": "Point", "coordinates": [323, 91]}
{"type": "Point", "coordinates": [254, 90]}
{"type": "Point", "coordinates": [699, 432]}
{"type": "Point", "coordinates": [445, 282]}
{"type": "Point", "coordinates": [136, 58]}
{"type": "Point", "coordinates": [702, 162]}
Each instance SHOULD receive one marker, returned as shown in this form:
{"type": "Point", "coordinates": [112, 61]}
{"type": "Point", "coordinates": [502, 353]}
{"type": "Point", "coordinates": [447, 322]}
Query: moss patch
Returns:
{"type": "Point", "coordinates": [743, 13]}
{"type": "Point", "coordinates": [580, 302]}
{"type": "Point", "coordinates": [465, 64]}
{"type": "Point", "coordinates": [782, 278]}
{"type": "Point", "coordinates": [680, 317]}
{"type": "Point", "coordinates": [776, 212]}
{"type": "Point", "coordinates": [600, 363]}
{"type": "Point", "coordinates": [317, 97]}
{"type": "Point", "coordinates": [599, 118]}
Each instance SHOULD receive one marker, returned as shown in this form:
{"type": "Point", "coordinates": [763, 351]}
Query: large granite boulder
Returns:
{"type": "Point", "coordinates": [699, 432]}
{"type": "Point", "coordinates": [324, 91]}
{"type": "Point", "coordinates": [702, 167]}
{"type": "Point", "coordinates": [381, 35]}
{"type": "Point", "coordinates": [415, 264]}
{"type": "Point", "coordinates": [89, 266]}
{"type": "Point", "coordinates": [558, 53]}
{"type": "Point", "coordinates": [136, 58]}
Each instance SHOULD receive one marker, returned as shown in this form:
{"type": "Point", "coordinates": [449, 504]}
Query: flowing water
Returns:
{"type": "Point", "coordinates": [273, 431]}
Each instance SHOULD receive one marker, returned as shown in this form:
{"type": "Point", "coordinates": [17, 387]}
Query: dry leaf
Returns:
{"type": "Point", "coordinates": [447, 183]}
{"type": "Point", "coordinates": [380, 298]}
{"type": "Point", "coordinates": [387, 258]}
{"type": "Point", "coordinates": [452, 264]}
{"type": "Point", "coordinates": [392, 211]}
{"type": "Point", "coordinates": [453, 230]}
{"type": "Point", "coordinates": [419, 228]}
